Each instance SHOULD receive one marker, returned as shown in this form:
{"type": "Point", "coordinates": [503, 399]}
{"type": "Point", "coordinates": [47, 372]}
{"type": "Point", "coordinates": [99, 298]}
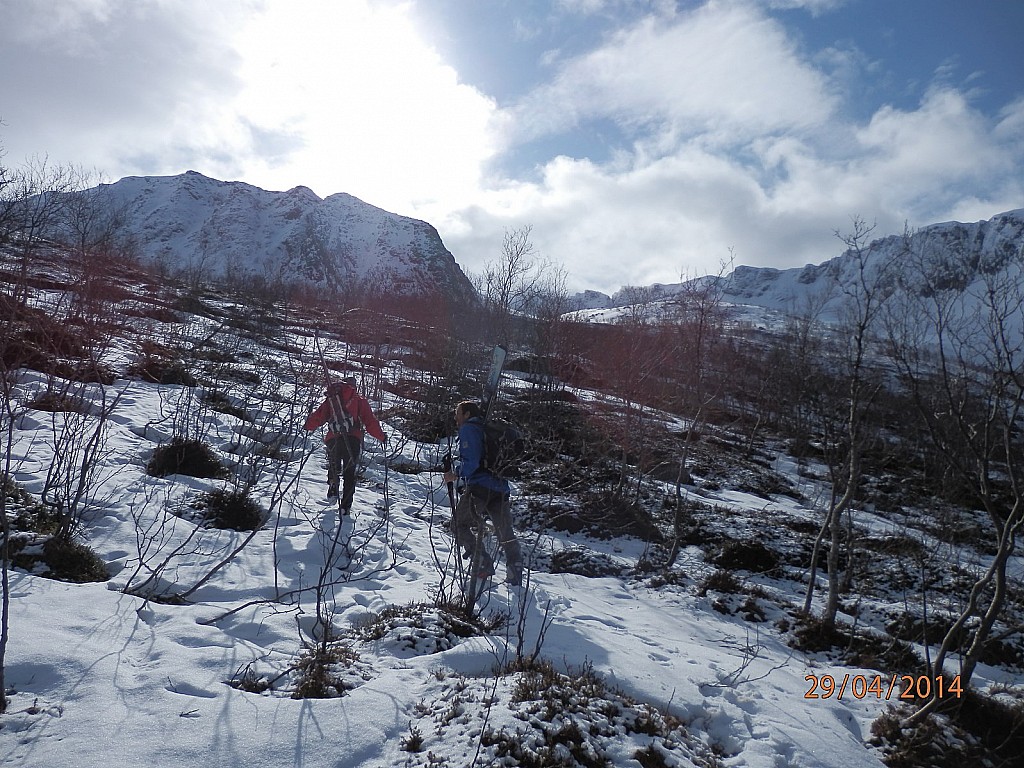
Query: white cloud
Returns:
{"type": "Point", "coordinates": [379, 114]}
{"type": "Point", "coordinates": [61, 27]}
{"type": "Point", "coordinates": [1011, 124]}
{"type": "Point", "coordinates": [815, 7]}
{"type": "Point", "coordinates": [335, 96]}
{"type": "Point", "coordinates": [738, 144]}
{"type": "Point", "coordinates": [936, 137]}
{"type": "Point", "coordinates": [95, 83]}
{"type": "Point", "coordinates": [612, 226]}
{"type": "Point", "coordinates": [609, 7]}
{"type": "Point", "coordinates": [724, 68]}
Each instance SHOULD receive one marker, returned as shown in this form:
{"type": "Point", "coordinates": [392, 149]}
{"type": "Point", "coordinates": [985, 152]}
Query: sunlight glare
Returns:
{"type": "Point", "coordinates": [362, 105]}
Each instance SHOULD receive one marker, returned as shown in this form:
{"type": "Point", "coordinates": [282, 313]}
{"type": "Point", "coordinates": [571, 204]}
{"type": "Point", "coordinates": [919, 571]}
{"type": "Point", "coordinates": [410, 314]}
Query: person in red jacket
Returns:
{"type": "Point", "coordinates": [347, 414]}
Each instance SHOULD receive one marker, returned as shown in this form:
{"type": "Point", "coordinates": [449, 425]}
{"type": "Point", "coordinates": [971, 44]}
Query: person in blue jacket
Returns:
{"type": "Point", "coordinates": [486, 495]}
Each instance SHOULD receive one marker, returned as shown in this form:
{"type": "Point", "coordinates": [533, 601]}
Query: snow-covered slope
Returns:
{"type": "Point", "coordinates": [222, 229]}
{"type": "Point", "coordinates": [114, 679]}
{"type": "Point", "coordinates": [698, 669]}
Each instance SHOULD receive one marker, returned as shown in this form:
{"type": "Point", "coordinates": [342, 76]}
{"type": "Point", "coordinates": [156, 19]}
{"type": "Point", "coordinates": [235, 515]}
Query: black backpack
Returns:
{"type": "Point", "coordinates": [504, 445]}
{"type": "Point", "coordinates": [342, 421]}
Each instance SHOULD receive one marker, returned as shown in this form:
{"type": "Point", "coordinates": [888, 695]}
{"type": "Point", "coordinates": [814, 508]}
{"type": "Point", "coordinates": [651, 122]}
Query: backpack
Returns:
{"type": "Point", "coordinates": [504, 445]}
{"type": "Point", "coordinates": [341, 422]}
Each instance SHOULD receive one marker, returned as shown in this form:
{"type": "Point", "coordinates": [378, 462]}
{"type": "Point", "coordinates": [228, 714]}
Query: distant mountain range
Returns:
{"type": "Point", "coordinates": [966, 252]}
{"type": "Point", "coordinates": [223, 229]}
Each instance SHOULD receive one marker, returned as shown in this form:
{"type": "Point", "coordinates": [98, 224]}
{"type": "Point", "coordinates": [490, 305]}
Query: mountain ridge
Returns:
{"type": "Point", "coordinates": [966, 250]}
{"type": "Point", "coordinates": [218, 228]}
{"type": "Point", "coordinates": [211, 228]}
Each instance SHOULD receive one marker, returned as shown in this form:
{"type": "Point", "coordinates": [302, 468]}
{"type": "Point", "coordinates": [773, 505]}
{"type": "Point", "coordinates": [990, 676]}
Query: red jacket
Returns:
{"type": "Point", "coordinates": [355, 405]}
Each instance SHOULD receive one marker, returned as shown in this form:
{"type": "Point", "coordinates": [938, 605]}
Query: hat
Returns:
{"type": "Point", "coordinates": [337, 385]}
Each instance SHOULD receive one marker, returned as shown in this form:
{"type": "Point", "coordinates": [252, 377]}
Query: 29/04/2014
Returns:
{"type": "Point", "coordinates": [913, 687]}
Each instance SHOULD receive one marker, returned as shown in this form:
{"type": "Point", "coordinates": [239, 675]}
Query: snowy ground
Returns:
{"type": "Point", "coordinates": [103, 678]}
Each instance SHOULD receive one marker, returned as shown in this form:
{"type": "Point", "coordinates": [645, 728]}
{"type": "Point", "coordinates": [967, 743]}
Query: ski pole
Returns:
{"type": "Point", "coordinates": [320, 353]}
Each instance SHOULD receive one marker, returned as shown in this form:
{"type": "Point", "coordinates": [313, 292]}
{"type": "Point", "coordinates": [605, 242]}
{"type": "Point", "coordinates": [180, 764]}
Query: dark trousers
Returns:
{"type": "Point", "coordinates": [342, 461]}
{"type": "Point", "coordinates": [470, 514]}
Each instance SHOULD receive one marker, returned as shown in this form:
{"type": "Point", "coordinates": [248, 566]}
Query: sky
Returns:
{"type": "Point", "coordinates": [641, 140]}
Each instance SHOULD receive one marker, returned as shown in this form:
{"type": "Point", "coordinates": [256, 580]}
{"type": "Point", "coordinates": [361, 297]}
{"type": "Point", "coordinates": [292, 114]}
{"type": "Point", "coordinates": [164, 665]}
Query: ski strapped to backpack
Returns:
{"type": "Point", "coordinates": [504, 443]}
{"type": "Point", "coordinates": [493, 378]}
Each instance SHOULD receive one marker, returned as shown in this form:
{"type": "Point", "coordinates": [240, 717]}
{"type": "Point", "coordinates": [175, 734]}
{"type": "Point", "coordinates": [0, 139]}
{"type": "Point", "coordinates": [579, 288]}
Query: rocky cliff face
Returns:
{"type": "Point", "coordinates": [963, 259]}
{"type": "Point", "coordinates": [957, 254]}
{"type": "Point", "coordinates": [223, 229]}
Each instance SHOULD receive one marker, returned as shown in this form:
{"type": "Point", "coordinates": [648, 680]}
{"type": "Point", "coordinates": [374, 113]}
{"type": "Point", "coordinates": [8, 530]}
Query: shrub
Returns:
{"type": "Point", "coordinates": [185, 457]}
{"type": "Point", "coordinates": [234, 510]}
{"type": "Point", "coordinates": [574, 718]}
{"type": "Point", "coordinates": [221, 403]}
{"type": "Point", "coordinates": [34, 544]}
{"type": "Point", "coordinates": [63, 560]}
{"type": "Point", "coordinates": [748, 556]}
{"type": "Point", "coordinates": [584, 563]}
{"type": "Point", "coordinates": [18, 353]}
{"type": "Point", "coordinates": [315, 677]}
{"type": "Point", "coordinates": [59, 402]}
{"type": "Point", "coordinates": [92, 372]}
{"type": "Point", "coordinates": [605, 514]}
{"type": "Point", "coordinates": [54, 337]}
{"type": "Point", "coordinates": [424, 628]}
{"type": "Point", "coordinates": [428, 423]}
{"type": "Point", "coordinates": [159, 365]}
{"type": "Point", "coordinates": [226, 374]}
{"type": "Point", "coordinates": [650, 757]}
{"type": "Point", "coordinates": [29, 514]}
{"type": "Point", "coordinates": [558, 692]}
{"type": "Point", "coordinates": [915, 629]}
{"type": "Point", "coordinates": [813, 635]}
{"type": "Point", "coordinates": [720, 581]}
{"type": "Point", "coordinates": [414, 741]}
{"type": "Point", "coordinates": [408, 467]}
{"type": "Point", "coordinates": [973, 730]}
{"type": "Point", "coordinates": [174, 372]}
{"type": "Point", "coordinates": [72, 561]}
{"type": "Point", "coordinates": [249, 680]}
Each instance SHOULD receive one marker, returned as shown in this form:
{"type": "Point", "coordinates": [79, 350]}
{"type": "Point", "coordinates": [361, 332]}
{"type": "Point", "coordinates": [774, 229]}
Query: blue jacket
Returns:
{"type": "Point", "coordinates": [471, 454]}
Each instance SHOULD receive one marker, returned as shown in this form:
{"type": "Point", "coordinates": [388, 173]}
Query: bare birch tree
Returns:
{"type": "Point", "coordinates": [958, 347]}
{"type": "Point", "coordinates": [510, 283]}
{"type": "Point", "coordinates": [864, 282]}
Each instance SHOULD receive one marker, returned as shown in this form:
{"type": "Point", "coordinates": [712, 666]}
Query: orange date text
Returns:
{"type": "Point", "coordinates": [906, 687]}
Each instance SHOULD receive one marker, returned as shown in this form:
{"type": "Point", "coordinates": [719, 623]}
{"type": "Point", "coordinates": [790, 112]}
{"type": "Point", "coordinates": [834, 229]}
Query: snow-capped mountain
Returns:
{"type": "Point", "coordinates": [962, 253]}
{"type": "Point", "coordinates": [592, 300]}
{"type": "Point", "coordinates": [224, 229]}
{"type": "Point", "coordinates": [958, 254]}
